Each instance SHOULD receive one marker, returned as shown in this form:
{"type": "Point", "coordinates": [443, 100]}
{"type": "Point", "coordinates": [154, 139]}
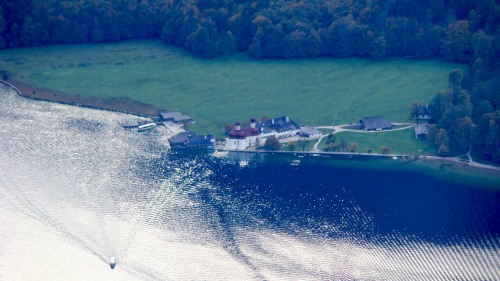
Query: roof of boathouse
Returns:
{"type": "Point", "coordinates": [180, 138]}
{"type": "Point", "coordinates": [175, 115]}
{"type": "Point", "coordinates": [200, 141]}
{"type": "Point", "coordinates": [191, 139]}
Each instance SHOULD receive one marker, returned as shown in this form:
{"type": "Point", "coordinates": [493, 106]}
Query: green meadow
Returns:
{"type": "Point", "coordinates": [220, 91]}
{"type": "Point", "coordinates": [399, 142]}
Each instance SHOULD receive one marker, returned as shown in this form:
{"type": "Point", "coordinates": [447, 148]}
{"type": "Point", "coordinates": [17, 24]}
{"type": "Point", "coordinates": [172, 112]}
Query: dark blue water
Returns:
{"type": "Point", "coordinates": [74, 184]}
{"type": "Point", "coordinates": [360, 199]}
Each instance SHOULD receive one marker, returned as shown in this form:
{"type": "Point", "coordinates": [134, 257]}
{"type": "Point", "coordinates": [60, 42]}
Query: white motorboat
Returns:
{"type": "Point", "coordinates": [112, 262]}
{"type": "Point", "coordinates": [146, 127]}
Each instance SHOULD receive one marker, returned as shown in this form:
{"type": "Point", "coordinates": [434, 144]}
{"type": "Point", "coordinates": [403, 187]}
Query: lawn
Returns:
{"type": "Point", "coordinates": [220, 91]}
{"type": "Point", "coordinates": [303, 145]}
{"type": "Point", "coordinates": [399, 142]}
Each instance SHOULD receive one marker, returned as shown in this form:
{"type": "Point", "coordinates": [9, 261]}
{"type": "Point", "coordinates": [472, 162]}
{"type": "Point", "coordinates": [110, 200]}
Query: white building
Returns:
{"type": "Point", "coordinates": [309, 132]}
{"type": "Point", "coordinates": [257, 133]}
{"type": "Point", "coordinates": [242, 138]}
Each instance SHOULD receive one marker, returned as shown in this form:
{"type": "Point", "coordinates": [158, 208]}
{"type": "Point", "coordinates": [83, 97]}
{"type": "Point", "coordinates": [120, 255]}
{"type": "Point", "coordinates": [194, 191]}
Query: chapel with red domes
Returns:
{"type": "Point", "coordinates": [257, 133]}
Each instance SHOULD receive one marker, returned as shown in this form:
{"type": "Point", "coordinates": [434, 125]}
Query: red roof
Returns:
{"type": "Point", "coordinates": [243, 133]}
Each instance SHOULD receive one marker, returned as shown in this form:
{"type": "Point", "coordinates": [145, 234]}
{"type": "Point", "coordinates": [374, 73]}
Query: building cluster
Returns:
{"type": "Point", "coordinates": [256, 134]}
{"type": "Point", "coordinates": [379, 123]}
{"type": "Point", "coordinates": [183, 138]}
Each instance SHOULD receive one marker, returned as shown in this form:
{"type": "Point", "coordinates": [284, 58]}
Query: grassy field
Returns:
{"type": "Point", "coordinates": [221, 91]}
{"type": "Point", "coordinates": [399, 142]}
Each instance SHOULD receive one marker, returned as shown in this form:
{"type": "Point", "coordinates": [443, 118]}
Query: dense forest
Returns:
{"type": "Point", "coordinates": [466, 114]}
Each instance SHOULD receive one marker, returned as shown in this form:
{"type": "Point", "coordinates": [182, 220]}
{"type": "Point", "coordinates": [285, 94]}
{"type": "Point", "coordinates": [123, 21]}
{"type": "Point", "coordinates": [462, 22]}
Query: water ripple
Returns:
{"type": "Point", "coordinates": [75, 189]}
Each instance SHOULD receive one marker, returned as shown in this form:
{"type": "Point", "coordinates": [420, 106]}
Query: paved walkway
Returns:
{"type": "Point", "coordinates": [469, 161]}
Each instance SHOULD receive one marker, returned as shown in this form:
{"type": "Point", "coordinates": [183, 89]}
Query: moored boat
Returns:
{"type": "Point", "coordinates": [146, 127]}
{"type": "Point", "coordinates": [112, 262]}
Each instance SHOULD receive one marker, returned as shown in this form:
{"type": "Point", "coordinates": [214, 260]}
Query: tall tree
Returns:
{"type": "Point", "coordinates": [339, 37]}
{"type": "Point", "coordinates": [385, 149]}
{"type": "Point", "coordinates": [200, 43]}
{"type": "Point", "coordinates": [482, 45]}
{"type": "Point", "coordinates": [457, 43]}
{"type": "Point", "coordinates": [272, 143]}
{"type": "Point", "coordinates": [313, 44]}
{"type": "Point", "coordinates": [464, 134]}
{"type": "Point", "coordinates": [272, 39]}
{"type": "Point", "coordinates": [227, 43]}
{"type": "Point", "coordinates": [353, 147]}
{"type": "Point", "coordinates": [255, 49]}
{"type": "Point", "coordinates": [3, 25]}
{"type": "Point", "coordinates": [13, 38]}
{"type": "Point", "coordinates": [96, 35]}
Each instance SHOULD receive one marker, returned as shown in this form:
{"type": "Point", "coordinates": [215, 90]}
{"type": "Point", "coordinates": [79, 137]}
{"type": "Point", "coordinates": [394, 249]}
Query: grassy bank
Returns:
{"type": "Point", "coordinates": [399, 142]}
{"type": "Point", "coordinates": [220, 91]}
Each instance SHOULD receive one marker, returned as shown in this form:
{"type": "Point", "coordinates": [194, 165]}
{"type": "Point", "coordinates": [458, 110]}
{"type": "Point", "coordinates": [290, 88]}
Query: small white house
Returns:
{"type": "Point", "coordinates": [309, 132]}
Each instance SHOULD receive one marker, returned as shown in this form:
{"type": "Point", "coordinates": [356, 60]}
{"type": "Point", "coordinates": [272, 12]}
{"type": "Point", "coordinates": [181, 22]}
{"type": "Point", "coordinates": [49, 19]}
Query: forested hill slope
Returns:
{"type": "Point", "coordinates": [467, 114]}
{"type": "Point", "coordinates": [454, 29]}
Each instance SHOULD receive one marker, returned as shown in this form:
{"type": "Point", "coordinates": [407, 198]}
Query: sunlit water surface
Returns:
{"type": "Point", "coordinates": [76, 188]}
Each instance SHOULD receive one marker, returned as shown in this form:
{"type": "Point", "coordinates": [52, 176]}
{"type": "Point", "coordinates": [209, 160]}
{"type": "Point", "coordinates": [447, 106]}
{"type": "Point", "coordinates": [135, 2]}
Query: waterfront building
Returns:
{"type": "Point", "coordinates": [192, 140]}
{"type": "Point", "coordinates": [176, 117]}
{"type": "Point", "coordinates": [200, 141]}
{"type": "Point", "coordinates": [241, 138]}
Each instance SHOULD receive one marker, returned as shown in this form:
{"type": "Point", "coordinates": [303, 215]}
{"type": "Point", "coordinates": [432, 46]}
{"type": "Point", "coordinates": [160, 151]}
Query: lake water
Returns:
{"type": "Point", "coordinates": [76, 189]}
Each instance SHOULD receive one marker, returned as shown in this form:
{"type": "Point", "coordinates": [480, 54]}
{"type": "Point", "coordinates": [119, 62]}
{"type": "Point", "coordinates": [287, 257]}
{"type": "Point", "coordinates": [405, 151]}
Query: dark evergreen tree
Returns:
{"type": "Point", "coordinates": [97, 34]}
{"type": "Point", "coordinates": [457, 43]}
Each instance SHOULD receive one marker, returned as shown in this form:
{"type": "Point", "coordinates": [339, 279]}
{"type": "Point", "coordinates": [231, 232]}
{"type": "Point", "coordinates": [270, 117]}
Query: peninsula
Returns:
{"type": "Point", "coordinates": [284, 130]}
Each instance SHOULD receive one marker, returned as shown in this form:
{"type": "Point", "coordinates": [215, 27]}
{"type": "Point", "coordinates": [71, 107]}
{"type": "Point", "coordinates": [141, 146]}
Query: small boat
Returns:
{"type": "Point", "coordinates": [112, 262]}
{"type": "Point", "coordinates": [146, 127]}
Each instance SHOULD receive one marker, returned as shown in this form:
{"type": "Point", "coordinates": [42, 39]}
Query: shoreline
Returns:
{"type": "Point", "coordinates": [360, 155]}
{"type": "Point", "coordinates": [144, 110]}
{"type": "Point", "coordinates": [123, 105]}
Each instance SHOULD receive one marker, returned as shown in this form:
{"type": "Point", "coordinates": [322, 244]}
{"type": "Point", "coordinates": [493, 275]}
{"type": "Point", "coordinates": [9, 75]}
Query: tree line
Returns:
{"type": "Point", "coordinates": [453, 29]}
{"type": "Point", "coordinates": [467, 31]}
{"type": "Point", "coordinates": [466, 117]}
